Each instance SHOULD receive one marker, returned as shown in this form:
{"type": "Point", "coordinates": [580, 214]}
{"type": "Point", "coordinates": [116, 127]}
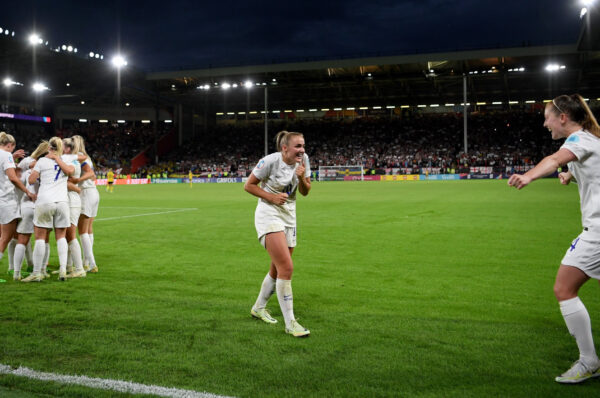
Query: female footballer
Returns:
{"type": "Point", "coordinates": [9, 206]}
{"type": "Point", "coordinates": [280, 174]}
{"type": "Point", "coordinates": [568, 116]}
{"type": "Point", "coordinates": [51, 208]}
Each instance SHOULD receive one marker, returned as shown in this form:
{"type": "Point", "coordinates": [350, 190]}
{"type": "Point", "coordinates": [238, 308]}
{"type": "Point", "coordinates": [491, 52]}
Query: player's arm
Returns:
{"type": "Point", "coordinates": [303, 182]}
{"type": "Point", "coordinates": [12, 176]}
{"type": "Point", "coordinates": [88, 173]}
{"type": "Point", "coordinates": [68, 169]}
{"type": "Point", "coordinates": [547, 166]}
{"type": "Point", "coordinates": [73, 187]}
{"type": "Point", "coordinates": [251, 186]}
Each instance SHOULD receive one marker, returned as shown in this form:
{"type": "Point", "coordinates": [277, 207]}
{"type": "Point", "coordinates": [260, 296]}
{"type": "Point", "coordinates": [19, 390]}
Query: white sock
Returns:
{"type": "Point", "coordinates": [11, 253]}
{"type": "Point", "coordinates": [286, 300]}
{"type": "Point", "coordinates": [92, 239]}
{"type": "Point", "coordinates": [266, 291]}
{"type": "Point", "coordinates": [69, 257]}
{"type": "Point", "coordinates": [63, 249]}
{"type": "Point", "coordinates": [579, 325]}
{"type": "Point", "coordinates": [87, 250]}
{"type": "Point", "coordinates": [19, 254]}
{"type": "Point", "coordinates": [46, 255]}
{"type": "Point", "coordinates": [29, 254]}
{"type": "Point", "coordinates": [75, 254]}
{"type": "Point", "coordinates": [39, 251]}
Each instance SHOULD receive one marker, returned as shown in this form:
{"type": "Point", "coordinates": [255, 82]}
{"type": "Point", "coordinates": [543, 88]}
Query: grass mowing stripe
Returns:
{"type": "Point", "coordinates": [144, 214]}
{"type": "Point", "coordinates": [106, 384]}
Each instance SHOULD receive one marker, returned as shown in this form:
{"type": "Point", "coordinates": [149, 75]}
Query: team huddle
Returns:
{"type": "Point", "coordinates": [51, 189]}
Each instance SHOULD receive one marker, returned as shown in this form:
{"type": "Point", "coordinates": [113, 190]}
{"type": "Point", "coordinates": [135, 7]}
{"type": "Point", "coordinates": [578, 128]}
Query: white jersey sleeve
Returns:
{"type": "Point", "coordinates": [7, 189]}
{"type": "Point", "coordinates": [580, 144]}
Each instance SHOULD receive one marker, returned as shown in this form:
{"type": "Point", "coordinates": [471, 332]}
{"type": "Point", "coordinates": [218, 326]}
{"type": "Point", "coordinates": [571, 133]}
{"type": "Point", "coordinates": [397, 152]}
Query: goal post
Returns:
{"type": "Point", "coordinates": [341, 173]}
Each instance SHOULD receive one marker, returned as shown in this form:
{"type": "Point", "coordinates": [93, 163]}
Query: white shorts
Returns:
{"type": "Point", "coordinates": [9, 213]}
{"type": "Point", "coordinates": [89, 202]}
{"type": "Point", "coordinates": [74, 213]}
{"type": "Point", "coordinates": [290, 235]}
{"type": "Point", "coordinates": [51, 215]}
{"type": "Point", "coordinates": [25, 226]}
{"type": "Point", "coordinates": [584, 253]}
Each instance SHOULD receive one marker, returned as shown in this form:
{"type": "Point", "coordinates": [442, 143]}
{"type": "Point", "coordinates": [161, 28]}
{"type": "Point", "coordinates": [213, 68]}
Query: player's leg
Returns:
{"type": "Point", "coordinates": [568, 281]}
{"type": "Point", "coordinates": [279, 250]}
{"type": "Point", "coordinates": [267, 289]}
{"type": "Point", "coordinates": [38, 255]}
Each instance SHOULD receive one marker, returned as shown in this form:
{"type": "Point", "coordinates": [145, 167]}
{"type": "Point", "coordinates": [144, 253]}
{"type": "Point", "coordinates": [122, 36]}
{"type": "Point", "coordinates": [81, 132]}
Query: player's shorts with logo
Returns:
{"type": "Point", "coordinates": [584, 253]}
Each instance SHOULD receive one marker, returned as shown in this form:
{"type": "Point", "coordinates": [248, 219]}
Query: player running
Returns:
{"type": "Point", "coordinates": [280, 175]}
{"type": "Point", "coordinates": [568, 116]}
{"type": "Point", "coordinates": [51, 208]}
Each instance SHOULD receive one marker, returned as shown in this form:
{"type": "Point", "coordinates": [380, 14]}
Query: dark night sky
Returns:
{"type": "Point", "coordinates": [173, 34]}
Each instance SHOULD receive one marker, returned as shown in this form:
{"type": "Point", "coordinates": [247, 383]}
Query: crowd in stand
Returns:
{"type": "Point", "coordinates": [498, 140]}
{"type": "Point", "coordinates": [411, 143]}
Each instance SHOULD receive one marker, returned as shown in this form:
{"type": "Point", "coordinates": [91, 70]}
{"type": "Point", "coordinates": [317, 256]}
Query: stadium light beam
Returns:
{"type": "Point", "coordinates": [39, 87]}
{"type": "Point", "coordinates": [34, 39]}
{"type": "Point", "coordinates": [248, 84]}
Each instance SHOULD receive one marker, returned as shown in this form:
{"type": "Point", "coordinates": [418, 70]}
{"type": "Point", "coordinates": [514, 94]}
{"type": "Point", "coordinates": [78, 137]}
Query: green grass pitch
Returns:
{"type": "Point", "coordinates": [427, 289]}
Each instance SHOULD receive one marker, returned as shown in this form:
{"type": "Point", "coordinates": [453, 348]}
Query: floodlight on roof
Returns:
{"type": "Point", "coordinates": [6, 32]}
{"type": "Point", "coordinates": [92, 54]}
{"type": "Point", "coordinates": [82, 102]}
{"type": "Point", "coordinates": [63, 47]}
{"type": "Point", "coordinates": [33, 39]}
{"type": "Point", "coordinates": [248, 84]}
{"type": "Point", "coordinates": [225, 86]}
{"type": "Point", "coordinates": [553, 67]}
{"type": "Point", "coordinates": [75, 50]}
{"type": "Point", "coordinates": [70, 48]}
{"type": "Point", "coordinates": [1, 30]}
{"type": "Point", "coordinates": [582, 13]}
{"type": "Point", "coordinates": [7, 82]}
{"type": "Point", "coordinates": [234, 85]}
{"type": "Point", "coordinates": [588, 3]}
{"type": "Point", "coordinates": [127, 104]}
{"type": "Point", "coordinates": [97, 56]}
{"type": "Point", "coordinates": [118, 61]}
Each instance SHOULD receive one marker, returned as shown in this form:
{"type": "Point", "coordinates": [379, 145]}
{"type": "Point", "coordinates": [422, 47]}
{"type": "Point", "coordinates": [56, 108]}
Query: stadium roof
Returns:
{"type": "Point", "coordinates": [492, 75]}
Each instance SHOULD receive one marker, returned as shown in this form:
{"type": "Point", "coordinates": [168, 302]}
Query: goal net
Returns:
{"type": "Point", "coordinates": [341, 173]}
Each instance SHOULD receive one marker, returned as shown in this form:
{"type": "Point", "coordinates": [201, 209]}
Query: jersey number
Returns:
{"type": "Point", "coordinates": [57, 167]}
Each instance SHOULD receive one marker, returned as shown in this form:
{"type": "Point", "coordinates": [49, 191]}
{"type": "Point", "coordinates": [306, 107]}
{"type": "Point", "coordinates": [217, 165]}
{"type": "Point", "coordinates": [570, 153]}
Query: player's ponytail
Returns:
{"type": "Point", "coordinates": [56, 145]}
{"type": "Point", "coordinates": [41, 150]}
{"type": "Point", "coordinates": [575, 107]}
{"type": "Point", "coordinates": [283, 137]}
{"type": "Point", "coordinates": [79, 145]}
{"type": "Point", "coordinates": [6, 139]}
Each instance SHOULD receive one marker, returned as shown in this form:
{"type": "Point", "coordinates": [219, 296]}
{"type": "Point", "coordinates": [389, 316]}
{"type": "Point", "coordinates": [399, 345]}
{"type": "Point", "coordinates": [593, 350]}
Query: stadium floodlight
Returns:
{"type": "Point", "coordinates": [121, 121]}
{"type": "Point", "coordinates": [434, 105]}
{"type": "Point", "coordinates": [92, 54]}
{"type": "Point", "coordinates": [404, 106]}
{"type": "Point", "coordinates": [118, 61]}
{"type": "Point", "coordinates": [376, 107]}
{"type": "Point", "coordinates": [312, 110]}
{"type": "Point", "coordinates": [68, 84]}
{"type": "Point", "coordinates": [82, 120]}
{"type": "Point", "coordinates": [299, 110]}
{"type": "Point", "coordinates": [588, 3]}
{"type": "Point", "coordinates": [103, 121]}
{"type": "Point", "coordinates": [82, 102]}
{"type": "Point", "coordinates": [552, 67]}
{"type": "Point", "coordinates": [350, 108]}
{"type": "Point", "coordinates": [449, 104]}
{"type": "Point", "coordinates": [34, 39]}
{"type": "Point", "coordinates": [325, 110]}
{"type": "Point", "coordinates": [70, 48]}
{"type": "Point", "coordinates": [231, 113]}
{"type": "Point", "coordinates": [218, 114]}
{"type": "Point", "coordinates": [127, 104]}
{"type": "Point", "coordinates": [1, 30]}
{"type": "Point", "coordinates": [168, 121]}
{"type": "Point", "coordinates": [248, 84]}
{"type": "Point", "coordinates": [64, 47]}
{"type": "Point", "coordinates": [225, 86]}
{"type": "Point", "coordinates": [582, 13]}
{"type": "Point", "coordinates": [39, 87]}
{"type": "Point", "coordinates": [234, 85]}
{"type": "Point", "coordinates": [7, 82]}
{"type": "Point", "coordinates": [6, 32]}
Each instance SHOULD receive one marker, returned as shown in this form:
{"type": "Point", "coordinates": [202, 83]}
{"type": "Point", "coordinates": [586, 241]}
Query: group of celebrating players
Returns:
{"type": "Point", "coordinates": [51, 189]}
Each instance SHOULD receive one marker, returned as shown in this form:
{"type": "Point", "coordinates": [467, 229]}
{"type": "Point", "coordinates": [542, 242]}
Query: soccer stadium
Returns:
{"type": "Point", "coordinates": [418, 271]}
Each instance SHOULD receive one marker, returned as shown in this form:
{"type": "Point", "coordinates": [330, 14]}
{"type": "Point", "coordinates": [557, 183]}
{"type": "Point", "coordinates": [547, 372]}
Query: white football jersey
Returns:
{"type": "Point", "coordinates": [33, 188]}
{"type": "Point", "coordinates": [71, 159]}
{"type": "Point", "coordinates": [89, 183]}
{"type": "Point", "coordinates": [53, 182]}
{"type": "Point", "coordinates": [586, 147]}
{"type": "Point", "coordinates": [276, 176]}
{"type": "Point", "coordinates": [8, 195]}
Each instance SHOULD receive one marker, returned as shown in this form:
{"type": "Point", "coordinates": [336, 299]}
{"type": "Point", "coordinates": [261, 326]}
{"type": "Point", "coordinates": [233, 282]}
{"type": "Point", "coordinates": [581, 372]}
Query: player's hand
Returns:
{"type": "Point", "coordinates": [300, 169]}
{"type": "Point", "coordinates": [279, 198]}
{"type": "Point", "coordinates": [19, 154]}
{"type": "Point", "coordinates": [32, 196]}
{"type": "Point", "coordinates": [518, 181]}
{"type": "Point", "coordinates": [52, 155]}
{"type": "Point", "coordinates": [565, 178]}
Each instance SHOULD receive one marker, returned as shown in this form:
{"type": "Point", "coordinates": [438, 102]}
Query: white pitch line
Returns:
{"type": "Point", "coordinates": [140, 207]}
{"type": "Point", "coordinates": [107, 384]}
{"type": "Point", "coordinates": [144, 214]}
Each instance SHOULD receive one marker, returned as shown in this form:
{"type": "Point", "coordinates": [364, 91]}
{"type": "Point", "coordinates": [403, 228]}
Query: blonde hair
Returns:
{"type": "Point", "coordinates": [575, 107]}
{"type": "Point", "coordinates": [283, 138]}
{"type": "Point", "coordinates": [6, 139]}
{"type": "Point", "coordinates": [79, 145]}
{"type": "Point", "coordinates": [41, 150]}
{"type": "Point", "coordinates": [56, 145]}
{"type": "Point", "coordinates": [68, 143]}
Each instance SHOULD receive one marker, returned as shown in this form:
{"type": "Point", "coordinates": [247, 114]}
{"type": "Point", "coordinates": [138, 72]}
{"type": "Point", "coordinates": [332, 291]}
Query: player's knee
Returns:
{"type": "Point", "coordinates": [563, 292]}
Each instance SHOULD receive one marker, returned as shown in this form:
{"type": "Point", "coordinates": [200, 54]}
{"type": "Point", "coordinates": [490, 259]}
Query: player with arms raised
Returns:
{"type": "Point", "coordinates": [568, 116]}
{"type": "Point", "coordinates": [279, 174]}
